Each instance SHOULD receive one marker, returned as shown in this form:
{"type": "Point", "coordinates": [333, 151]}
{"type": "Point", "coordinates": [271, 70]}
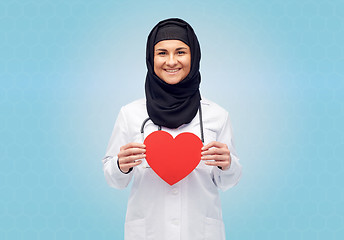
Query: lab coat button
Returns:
{"type": "Point", "coordinates": [175, 222]}
{"type": "Point", "coordinates": [175, 191]}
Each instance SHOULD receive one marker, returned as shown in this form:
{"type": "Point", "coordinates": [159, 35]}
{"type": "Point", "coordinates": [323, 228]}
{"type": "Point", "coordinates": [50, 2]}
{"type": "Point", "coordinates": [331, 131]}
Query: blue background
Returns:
{"type": "Point", "coordinates": [66, 68]}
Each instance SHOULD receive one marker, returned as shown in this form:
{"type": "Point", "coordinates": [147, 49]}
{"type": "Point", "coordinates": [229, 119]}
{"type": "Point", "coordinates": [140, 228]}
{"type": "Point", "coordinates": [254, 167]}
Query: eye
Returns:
{"type": "Point", "coordinates": [161, 53]}
{"type": "Point", "coordinates": [181, 52]}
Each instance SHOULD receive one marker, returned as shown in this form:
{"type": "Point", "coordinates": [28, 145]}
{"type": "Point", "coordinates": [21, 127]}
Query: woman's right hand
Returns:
{"type": "Point", "coordinates": [129, 156]}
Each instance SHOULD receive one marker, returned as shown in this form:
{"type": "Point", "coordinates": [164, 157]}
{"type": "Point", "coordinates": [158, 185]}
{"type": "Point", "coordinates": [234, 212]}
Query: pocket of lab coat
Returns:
{"type": "Point", "coordinates": [135, 230]}
{"type": "Point", "coordinates": [214, 229]}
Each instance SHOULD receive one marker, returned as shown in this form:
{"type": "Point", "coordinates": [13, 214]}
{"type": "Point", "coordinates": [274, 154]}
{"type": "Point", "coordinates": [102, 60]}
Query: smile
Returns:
{"type": "Point", "coordinates": [172, 70]}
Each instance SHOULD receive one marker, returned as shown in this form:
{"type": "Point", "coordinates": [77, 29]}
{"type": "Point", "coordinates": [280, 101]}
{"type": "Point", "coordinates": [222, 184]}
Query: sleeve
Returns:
{"type": "Point", "coordinates": [225, 179]}
{"type": "Point", "coordinates": [119, 137]}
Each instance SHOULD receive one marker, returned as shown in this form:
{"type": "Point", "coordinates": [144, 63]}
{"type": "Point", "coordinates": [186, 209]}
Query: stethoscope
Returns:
{"type": "Point", "coordinates": [159, 127]}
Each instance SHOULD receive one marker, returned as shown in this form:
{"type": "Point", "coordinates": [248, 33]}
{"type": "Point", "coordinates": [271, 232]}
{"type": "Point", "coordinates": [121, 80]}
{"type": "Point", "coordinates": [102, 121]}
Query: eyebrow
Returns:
{"type": "Point", "coordinates": [177, 49]}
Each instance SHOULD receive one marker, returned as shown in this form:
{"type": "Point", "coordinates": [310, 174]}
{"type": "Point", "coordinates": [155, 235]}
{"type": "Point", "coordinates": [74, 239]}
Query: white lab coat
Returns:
{"type": "Point", "coordinates": [191, 208]}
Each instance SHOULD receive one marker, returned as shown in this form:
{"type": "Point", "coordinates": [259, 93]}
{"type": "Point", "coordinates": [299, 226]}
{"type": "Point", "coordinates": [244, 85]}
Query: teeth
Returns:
{"type": "Point", "coordinates": [171, 71]}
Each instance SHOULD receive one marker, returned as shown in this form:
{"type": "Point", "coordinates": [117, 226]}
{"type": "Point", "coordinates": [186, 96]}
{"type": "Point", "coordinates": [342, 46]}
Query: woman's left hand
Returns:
{"type": "Point", "coordinates": [219, 153]}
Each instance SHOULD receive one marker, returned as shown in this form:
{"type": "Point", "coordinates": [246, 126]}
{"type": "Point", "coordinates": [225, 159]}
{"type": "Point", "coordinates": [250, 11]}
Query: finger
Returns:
{"type": "Point", "coordinates": [130, 151]}
{"type": "Point", "coordinates": [216, 157]}
{"type": "Point", "coordinates": [216, 151]}
{"type": "Point", "coordinates": [133, 145]}
{"type": "Point", "coordinates": [130, 165]}
{"type": "Point", "coordinates": [131, 159]}
{"type": "Point", "coordinates": [214, 144]}
{"type": "Point", "coordinates": [216, 163]}
{"type": "Point", "coordinates": [223, 165]}
{"type": "Point", "coordinates": [212, 163]}
{"type": "Point", "coordinates": [133, 151]}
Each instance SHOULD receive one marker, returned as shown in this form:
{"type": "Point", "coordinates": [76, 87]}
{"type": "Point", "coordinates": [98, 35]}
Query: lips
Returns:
{"type": "Point", "coordinates": [172, 70]}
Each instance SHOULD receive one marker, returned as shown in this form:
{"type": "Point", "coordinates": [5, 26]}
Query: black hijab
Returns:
{"type": "Point", "coordinates": [173, 105]}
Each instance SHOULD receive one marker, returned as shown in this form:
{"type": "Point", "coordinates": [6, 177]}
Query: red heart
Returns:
{"type": "Point", "coordinates": [173, 159]}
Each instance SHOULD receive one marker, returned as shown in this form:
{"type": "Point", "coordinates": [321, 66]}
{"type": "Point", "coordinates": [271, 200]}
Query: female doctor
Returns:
{"type": "Point", "coordinates": [191, 208]}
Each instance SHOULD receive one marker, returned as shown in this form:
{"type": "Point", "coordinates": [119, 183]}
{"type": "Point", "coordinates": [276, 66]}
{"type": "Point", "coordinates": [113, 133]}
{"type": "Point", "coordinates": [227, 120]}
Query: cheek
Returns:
{"type": "Point", "coordinates": [157, 63]}
{"type": "Point", "coordinates": [156, 66]}
{"type": "Point", "coordinates": [188, 65]}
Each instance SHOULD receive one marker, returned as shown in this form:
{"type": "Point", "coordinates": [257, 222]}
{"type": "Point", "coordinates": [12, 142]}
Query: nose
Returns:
{"type": "Point", "coordinates": [171, 60]}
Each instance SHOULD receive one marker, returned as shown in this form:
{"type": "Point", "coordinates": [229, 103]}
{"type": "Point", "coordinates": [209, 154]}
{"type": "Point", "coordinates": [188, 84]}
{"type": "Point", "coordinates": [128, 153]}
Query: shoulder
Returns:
{"type": "Point", "coordinates": [135, 111]}
{"type": "Point", "coordinates": [133, 114]}
{"type": "Point", "coordinates": [137, 105]}
{"type": "Point", "coordinates": [215, 117]}
{"type": "Point", "coordinates": [212, 108]}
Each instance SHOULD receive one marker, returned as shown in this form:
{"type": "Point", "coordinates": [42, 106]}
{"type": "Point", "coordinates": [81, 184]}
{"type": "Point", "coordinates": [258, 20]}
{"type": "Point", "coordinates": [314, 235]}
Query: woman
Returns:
{"type": "Point", "coordinates": [189, 209]}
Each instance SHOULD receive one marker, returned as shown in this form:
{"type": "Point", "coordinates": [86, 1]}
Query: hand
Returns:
{"type": "Point", "coordinates": [129, 156]}
{"type": "Point", "coordinates": [219, 153]}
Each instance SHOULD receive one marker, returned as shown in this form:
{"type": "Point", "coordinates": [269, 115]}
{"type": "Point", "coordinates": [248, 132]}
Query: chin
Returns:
{"type": "Point", "coordinates": [172, 80]}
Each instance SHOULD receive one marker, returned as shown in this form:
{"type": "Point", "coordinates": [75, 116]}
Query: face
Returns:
{"type": "Point", "coordinates": [172, 60]}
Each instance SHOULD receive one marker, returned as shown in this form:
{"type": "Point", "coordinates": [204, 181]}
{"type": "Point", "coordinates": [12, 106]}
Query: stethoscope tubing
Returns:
{"type": "Point", "coordinates": [159, 127]}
